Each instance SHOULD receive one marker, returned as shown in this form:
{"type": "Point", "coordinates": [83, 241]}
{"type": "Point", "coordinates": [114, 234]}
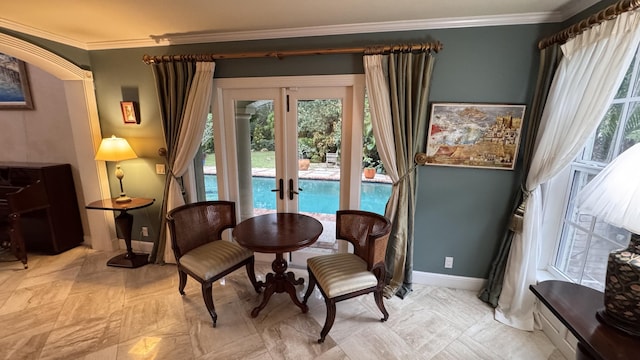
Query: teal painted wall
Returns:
{"type": "Point", "coordinates": [461, 212]}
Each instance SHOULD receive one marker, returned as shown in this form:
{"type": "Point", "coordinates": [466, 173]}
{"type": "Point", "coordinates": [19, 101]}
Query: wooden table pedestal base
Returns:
{"type": "Point", "coordinates": [278, 282]}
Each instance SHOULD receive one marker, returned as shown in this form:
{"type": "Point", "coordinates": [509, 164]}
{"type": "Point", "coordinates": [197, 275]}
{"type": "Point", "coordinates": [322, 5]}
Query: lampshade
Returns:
{"type": "Point", "coordinates": [614, 194]}
{"type": "Point", "coordinates": [614, 197]}
{"type": "Point", "coordinates": [115, 149]}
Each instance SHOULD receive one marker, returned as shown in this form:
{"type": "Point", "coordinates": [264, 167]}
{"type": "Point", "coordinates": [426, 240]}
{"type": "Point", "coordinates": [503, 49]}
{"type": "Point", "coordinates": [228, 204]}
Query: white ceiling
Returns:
{"type": "Point", "coordinates": [100, 24]}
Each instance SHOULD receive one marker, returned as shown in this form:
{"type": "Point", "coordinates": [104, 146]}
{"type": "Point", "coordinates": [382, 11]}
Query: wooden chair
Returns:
{"type": "Point", "coordinates": [5, 223]}
{"type": "Point", "coordinates": [196, 239]}
{"type": "Point", "coordinates": [346, 275]}
{"type": "Point", "coordinates": [16, 202]}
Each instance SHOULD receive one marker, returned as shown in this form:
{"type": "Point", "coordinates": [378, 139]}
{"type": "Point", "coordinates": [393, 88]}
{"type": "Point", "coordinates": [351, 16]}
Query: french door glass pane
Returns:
{"type": "Point", "coordinates": [208, 186]}
{"type": "Point", "coordinates": [375, 188]}
{"type": "Point", "coordinates": [255, 142]}
{"type": "Point", "coordinates": [256, 158]}
{"type": "Point", "coordinates": [319, 126]}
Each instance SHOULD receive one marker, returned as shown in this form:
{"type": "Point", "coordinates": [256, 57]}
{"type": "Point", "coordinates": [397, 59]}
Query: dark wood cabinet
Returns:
{"type": "Point", "coordinates": [576, 306]}
{"type": "Point", "coordinates": [57, 227]}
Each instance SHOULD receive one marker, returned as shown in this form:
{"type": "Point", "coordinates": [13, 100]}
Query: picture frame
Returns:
{"type": "Point", "coordinates": [130, 114]}
{"type": "Point", "coordinates": [15, 92]}
{"type": "Point", "coordinates": [474, 135]}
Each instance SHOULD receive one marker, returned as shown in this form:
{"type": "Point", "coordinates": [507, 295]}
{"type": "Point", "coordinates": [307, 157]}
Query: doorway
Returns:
{"type": "Point", "coordinates": [290, 144]}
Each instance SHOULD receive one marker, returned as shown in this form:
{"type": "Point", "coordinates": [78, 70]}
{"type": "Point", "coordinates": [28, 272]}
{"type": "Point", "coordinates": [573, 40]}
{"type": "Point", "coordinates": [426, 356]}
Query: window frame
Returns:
{"type": "Point", "coordinates": [558, 191]}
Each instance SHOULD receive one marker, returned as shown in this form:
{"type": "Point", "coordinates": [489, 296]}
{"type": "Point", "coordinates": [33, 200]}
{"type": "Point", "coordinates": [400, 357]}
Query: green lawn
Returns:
{"type": "Point", "coordinates": [259, 159]}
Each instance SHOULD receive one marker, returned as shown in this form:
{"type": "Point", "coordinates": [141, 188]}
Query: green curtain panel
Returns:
{"type": "Point", "coordinates": [173, 82]}
{"type": "Point", "coordinates": [409, 80]}
{"type": "Point", "coordinates": [549, 60]}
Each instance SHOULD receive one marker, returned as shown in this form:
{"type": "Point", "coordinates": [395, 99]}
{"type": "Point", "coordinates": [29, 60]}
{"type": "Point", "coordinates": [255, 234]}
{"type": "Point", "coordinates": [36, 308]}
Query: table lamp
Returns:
{"type": "Point", "coordinates": [614, 197]}
{"type": "Point", "coordinates": [116, 149]}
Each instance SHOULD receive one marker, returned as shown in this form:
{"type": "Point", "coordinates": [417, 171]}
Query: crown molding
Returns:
{"type": "Point", "coordinates": [348, 29]}
{"type": "Point", "coordinates": [284, 33]}
{"type": "Point", "coordinates": [44, 59]}
{"type": "Point", "coordinates": [14, 26]}
{"type": "Point", "coordinates": [576, 7]}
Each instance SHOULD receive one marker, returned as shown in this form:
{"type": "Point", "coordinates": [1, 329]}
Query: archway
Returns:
{"type": "Point", "coordinates": [83, 112]}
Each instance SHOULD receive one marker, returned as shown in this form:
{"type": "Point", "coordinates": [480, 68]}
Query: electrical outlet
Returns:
{"type": "Point", "coordinates": [160, 169]}
{"type": "Point", "coordinates": [145, 231]}
{"type": "Point", "coordinates": [448, 262]}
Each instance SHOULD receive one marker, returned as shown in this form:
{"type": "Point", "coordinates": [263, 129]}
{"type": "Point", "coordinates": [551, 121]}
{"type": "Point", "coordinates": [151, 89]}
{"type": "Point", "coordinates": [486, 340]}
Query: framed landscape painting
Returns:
{"type": "Point", "coordinates": [474, 135]}
{"type": "Point", "coordinates": [14, 84]}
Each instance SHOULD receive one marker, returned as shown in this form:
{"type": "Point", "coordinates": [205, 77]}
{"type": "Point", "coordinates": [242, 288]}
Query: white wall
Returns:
{"type": "Point", "coordinates": [43, 134]}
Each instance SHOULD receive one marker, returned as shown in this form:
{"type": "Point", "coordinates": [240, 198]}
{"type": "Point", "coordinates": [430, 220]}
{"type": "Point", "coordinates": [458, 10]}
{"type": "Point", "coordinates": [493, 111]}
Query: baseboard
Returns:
{"type": "Point", "coordinates": [419, 277]}
{"type": "Point", "coordinates": [450, 281]}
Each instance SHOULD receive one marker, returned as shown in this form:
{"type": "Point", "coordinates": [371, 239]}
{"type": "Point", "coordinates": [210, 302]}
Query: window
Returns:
{"type": "Point", "coordinates": [584, 241]}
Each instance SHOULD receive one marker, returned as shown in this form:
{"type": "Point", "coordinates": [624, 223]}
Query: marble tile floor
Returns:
{"type": "Point", "coordinates": [72, 306]}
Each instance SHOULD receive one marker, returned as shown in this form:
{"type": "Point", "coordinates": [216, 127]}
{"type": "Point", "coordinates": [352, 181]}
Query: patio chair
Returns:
{"type": "Point", "coordinates": [331, 159]}
{"type": "Point", "coordinates": [346, 275]}
{"type": "Point", "coordinates": [16, 203]}
{"type": "Point", "coordinates": [196, 239]}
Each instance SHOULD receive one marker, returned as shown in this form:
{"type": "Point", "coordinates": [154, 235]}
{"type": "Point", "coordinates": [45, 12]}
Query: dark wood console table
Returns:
{"type": "Point", "coordinates": [576, 306]}
{"type": "Point", "coordinates": [124, 224]}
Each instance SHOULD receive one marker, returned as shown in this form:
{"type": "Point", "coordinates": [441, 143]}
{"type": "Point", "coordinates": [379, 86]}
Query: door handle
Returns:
{"type": "Point", "coordinates": [280, 189]}
{"type": "Point", "coordinates": [291, 191]}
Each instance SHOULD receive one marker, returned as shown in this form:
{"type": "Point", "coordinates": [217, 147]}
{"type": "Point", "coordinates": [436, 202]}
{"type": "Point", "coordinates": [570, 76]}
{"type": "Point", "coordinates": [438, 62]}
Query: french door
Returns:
{"type": "Point", "coordinates": [270, 128]}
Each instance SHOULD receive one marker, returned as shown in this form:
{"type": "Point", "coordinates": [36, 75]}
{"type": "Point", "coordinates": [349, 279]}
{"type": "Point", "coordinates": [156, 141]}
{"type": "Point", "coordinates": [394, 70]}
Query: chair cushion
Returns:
{"type": "Point", "coordinates": [211, 259]}
{"type": "Point", "coordinates": [340, 274]}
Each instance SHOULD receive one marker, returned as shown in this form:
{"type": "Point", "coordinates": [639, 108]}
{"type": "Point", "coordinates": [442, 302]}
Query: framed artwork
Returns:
{"type": "Point", "coordinates": [14, 84]}
{"type": "Point", "coordinates": [474, 135]}
{"type": "Point", "coordinates": [129, 112]}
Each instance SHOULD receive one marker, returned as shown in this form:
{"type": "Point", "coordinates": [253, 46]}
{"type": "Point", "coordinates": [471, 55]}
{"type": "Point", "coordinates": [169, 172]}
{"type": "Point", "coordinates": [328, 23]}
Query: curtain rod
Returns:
{"type": "Point", "coordinates": [383, 49]}
{"type": "Point", "coordinates": [610, 13]}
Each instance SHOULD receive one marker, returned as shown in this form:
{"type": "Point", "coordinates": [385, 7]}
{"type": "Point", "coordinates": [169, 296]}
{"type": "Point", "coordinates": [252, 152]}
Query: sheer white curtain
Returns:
{"type": "Point", "coordinates": [592, 69]}
{"type": "Point", "coordinates": [193, 122]}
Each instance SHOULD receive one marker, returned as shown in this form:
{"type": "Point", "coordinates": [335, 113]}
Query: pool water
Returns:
{"type": "Point", "coordinates": [318, 196]}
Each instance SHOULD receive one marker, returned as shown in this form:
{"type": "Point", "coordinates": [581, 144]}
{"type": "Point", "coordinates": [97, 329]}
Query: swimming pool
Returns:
{"type": "Point", "coordinates": [318, 196]}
